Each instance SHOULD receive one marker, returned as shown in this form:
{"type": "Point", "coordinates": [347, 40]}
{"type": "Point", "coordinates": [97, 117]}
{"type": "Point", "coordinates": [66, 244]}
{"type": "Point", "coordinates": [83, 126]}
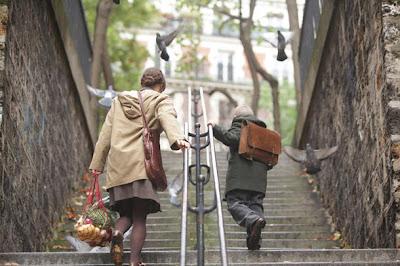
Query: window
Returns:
{"type": "Point", "coordinates": [230, 68]}
{"type": "Point", "coordinates": [167, 69]}
{"type": "Point", "coordinates": [220, 71]}
{"type": "Point", "coordinates": [157, 62]}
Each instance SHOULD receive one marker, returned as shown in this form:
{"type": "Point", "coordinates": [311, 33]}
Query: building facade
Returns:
{"type": "Point", "coordinates": [224, 64]}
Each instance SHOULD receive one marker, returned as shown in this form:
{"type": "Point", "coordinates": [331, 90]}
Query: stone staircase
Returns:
{"type": "Point", "coordinates": [297, 230]}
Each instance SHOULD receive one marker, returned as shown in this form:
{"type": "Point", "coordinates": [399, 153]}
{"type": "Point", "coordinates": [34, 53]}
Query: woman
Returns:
{"type": "Point", "coordinates": [120, 142]}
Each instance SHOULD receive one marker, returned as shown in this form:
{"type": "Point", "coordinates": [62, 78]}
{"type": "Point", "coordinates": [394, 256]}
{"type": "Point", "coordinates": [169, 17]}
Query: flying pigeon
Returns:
{"type": "Point", "coordinates": [311, 159]}
{"type": "Point", "coordinates": [280, 44]}
{"type": "Point", "coordinates": [174, 188]}
{"type": "Point", "coordinates": [163, 41]}
{"type": "Point", "coordinates": [107, 95]}
{"type": "Point", "coordinates": [281, 47]}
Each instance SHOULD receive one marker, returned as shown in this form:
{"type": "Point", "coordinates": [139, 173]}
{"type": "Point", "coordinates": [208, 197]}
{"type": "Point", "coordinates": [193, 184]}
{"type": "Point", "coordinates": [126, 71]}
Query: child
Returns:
{"type": "Point", "coordinates": [246, 180]}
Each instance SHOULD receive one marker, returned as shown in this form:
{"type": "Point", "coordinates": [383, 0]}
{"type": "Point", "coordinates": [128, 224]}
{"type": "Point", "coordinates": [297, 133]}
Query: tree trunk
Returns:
{"type": "Point", "coordinates": [248, 51]}
{"type": "Point", "coordinates": [104, 8]}
{"type": "Point", "coordinates": [294, 27]}
{"type": "Point", "coordinates": [245, 27]}
{"type": "Point", "coordinates": [108, 76]}
{"type": "Point", "coordinates": [255, 69]}
{"type": "Point", "coordinates": [275, 96]}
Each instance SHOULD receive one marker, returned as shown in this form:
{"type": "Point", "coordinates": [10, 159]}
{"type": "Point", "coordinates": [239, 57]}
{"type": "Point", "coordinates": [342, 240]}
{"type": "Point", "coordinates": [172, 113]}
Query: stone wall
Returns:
{"type": "Point", "coordinates": [349, 109]}
{"type": "Point", "coordinates": [45, 139]}
{"type": "Point", "coordinates": [391, 35]}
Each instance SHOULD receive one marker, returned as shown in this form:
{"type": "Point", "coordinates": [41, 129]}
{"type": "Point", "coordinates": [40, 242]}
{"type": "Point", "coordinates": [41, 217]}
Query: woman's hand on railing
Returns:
{"type": "Point", "coordinates": [183, 144]}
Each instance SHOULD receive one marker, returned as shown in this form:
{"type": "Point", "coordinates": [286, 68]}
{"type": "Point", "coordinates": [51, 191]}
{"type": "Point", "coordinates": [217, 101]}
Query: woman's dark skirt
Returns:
{"type": "Point", "coordinates": [137, 192]}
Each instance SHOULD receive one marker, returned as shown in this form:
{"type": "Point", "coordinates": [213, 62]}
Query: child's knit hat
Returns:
{"type": "Point", "coordinates": [242, 110]}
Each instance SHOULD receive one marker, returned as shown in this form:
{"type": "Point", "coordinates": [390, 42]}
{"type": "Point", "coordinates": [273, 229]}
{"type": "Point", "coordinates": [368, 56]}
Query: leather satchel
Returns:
{"type": "Point", "coordinates": [259, 143]}
{"type": "Point", "coordinates": [152, 154]}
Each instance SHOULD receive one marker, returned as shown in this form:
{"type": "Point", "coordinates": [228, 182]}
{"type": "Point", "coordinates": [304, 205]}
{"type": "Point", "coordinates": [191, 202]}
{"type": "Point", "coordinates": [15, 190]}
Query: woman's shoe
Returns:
{"type": "Point", "coordinates": [117, 249]}
{"type": "Point", "coordinates": [138, 264]}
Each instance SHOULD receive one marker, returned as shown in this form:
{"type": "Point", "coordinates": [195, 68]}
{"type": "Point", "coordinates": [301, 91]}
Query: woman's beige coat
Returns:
{"type": "Point", "coordinates": [120, 141]}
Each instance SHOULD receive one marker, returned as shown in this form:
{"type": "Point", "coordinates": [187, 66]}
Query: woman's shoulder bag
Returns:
{"type": "Point", "coordinates": [152, 154]}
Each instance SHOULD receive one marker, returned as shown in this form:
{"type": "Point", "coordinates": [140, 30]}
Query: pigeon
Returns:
{"type": "Point", "coordinates": [174, 188]}
{"type": "Point", "coordinates": [77, 244]}
{"type": "Point", "coordinates": [163, 41]}
{"type": "Point", "coordinates": [281, 47]}
{"type": "Point", "coordinates": [107, 95]}
{"type": "Point", "coordinates": [310, 158]}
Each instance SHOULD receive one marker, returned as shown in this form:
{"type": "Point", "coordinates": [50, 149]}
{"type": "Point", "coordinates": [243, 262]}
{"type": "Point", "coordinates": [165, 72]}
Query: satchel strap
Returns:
{"type": "Point", "coordinates": [142, 110]}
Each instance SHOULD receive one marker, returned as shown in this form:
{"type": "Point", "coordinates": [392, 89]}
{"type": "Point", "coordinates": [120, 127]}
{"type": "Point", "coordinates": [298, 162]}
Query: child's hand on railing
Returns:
{"type": "Point", "coordinates": [212, 123]}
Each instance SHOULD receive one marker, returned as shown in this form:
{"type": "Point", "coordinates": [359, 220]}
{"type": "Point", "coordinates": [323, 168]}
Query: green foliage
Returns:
{"type": "Point", "coordinates": [189, 39]}
{"type": "Point", "coordinates": [287, 100]}
{"type": "Point", "coordinates": [126, 54]}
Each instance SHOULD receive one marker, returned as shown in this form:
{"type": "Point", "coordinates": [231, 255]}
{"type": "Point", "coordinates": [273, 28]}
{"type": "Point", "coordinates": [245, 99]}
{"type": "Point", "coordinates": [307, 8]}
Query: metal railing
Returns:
{"type": "Point", "coordinates": [199, 180]}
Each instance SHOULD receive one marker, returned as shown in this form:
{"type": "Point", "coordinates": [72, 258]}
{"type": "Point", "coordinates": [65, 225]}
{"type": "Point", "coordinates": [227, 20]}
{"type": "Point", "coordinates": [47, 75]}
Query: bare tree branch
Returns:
{"type": "Point", "coordinates": [223, 23]}
{"type": "Point", "coordinates": [294, 27]}
{"type": "Point", "coordinates": [227, 95]}
{"type": "Point", "coordinates": [104, 8]}
{"type": "Point", "coordinates": [108, 76]}
{"type": "Point", "coordinates": [271, 43]}
{"type": "Point", "coordinates": [226, 13]}
{"type": "Point", "coordinates": [252, 7]}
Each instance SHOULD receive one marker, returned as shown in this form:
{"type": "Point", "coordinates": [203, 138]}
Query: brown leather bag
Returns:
{"type": "Point", "coordinates": [152, 154]}
{"type": "Point", "coordinates": [259, 143]}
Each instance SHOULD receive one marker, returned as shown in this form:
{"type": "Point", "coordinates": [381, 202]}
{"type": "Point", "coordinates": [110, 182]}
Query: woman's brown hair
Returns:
{"type": "Point", "coordinates": [152, 76]}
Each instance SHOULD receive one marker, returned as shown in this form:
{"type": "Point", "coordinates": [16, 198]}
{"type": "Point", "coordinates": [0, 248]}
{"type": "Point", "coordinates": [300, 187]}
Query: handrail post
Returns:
{"type": "Point", "coordinates": [199, 200]}
{"type": "Point", "coordinates": [205, 119]}
{"type": "Point", "coordinates": [184, 199]}
{"type": "Point", "coordinates": [189, 118]}
{"type": "Point", "coordinates": [221, 231]}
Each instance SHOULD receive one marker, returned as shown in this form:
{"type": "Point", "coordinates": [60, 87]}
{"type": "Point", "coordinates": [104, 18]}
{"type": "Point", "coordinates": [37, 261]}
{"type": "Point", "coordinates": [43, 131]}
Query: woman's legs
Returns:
{"type": "Point", "coordinates": [124, 221]}
{"type": "Point", "coordinates": [138, 236]}
{"type": "Point", "coordinates": [121, 226]}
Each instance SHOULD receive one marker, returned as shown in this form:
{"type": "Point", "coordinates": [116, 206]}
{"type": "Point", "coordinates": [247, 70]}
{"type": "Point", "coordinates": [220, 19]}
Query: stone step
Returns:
{"type": "Point", "coordinates": [234, 227]}
{"type": "Point", "coordinates": [261, 257]}
{"type": "Point", "coordinates": [267, 212]}
{"type": "Point", "coordinates": [310, 235]}
{"type": "Point", "coordinates": [155, 244]}
{"type": "Point", "coordinates": [315, 235]}
{"type": "Point", "coordinates": [270, 219]}
{"type": "Point", "coordinates": [209, 195]}
{"type": "Point", "coordinates": [268, 263]}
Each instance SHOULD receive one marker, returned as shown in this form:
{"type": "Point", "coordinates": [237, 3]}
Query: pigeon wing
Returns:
{"type": "Point", "coordinates": [290, 37]}
{"type": "Point", "coordinates": [323, 154]}
{"type": "Point", "coordinates": [106, 102]}
{"type": "Point", "coordinates": [273, 44]}
{"type": "Point", "coordinates": [295, 154]}
{"type": "Point", "coordinates": [170, 37]}
{"type": "Point", "coordinates": [96, 92]}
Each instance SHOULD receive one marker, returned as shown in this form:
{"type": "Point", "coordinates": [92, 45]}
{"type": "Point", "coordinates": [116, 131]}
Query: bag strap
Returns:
{"type": "Point", "coordinates": [94, 191]}
{"type": "Point", "coordinates": [142, 110]}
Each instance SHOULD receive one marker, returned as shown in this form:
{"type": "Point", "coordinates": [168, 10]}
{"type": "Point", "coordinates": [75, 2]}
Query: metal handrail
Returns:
{"type": "Point", "coordinates": [205, 119]}
{"type": "Point", "coordinates": [189, 119]}
{"type": "Point", "coordinates": [184, 199]}
{"type": "Point", "coordinates": [199, 180]}
{"type": "Point", "coordinates": [221, 230]}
